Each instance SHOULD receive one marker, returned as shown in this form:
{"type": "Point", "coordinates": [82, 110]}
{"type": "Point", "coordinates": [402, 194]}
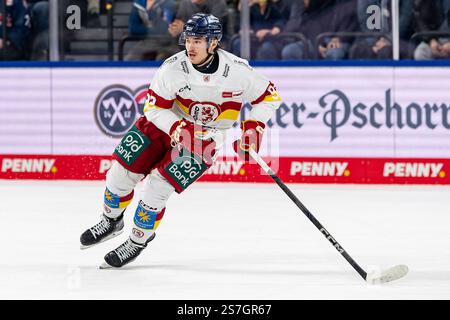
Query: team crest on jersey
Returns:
{"type": "Point", "coordinates": [204, 112]}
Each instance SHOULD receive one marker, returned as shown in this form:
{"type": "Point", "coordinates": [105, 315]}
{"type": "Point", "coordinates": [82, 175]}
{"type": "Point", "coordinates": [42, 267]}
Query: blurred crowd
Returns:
{"type": "Point", "coordinates": [280, 29]}
{"type": "Point", "coordinates": [25, 24]}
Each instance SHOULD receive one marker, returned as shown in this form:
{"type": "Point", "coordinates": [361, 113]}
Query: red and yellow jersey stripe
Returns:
{"type": "Point", "coordinates": [228, 110]}
{"type": "Point", "coordinates": [270, 95]}
{"type": "Point", "coordinates": [155, 101]}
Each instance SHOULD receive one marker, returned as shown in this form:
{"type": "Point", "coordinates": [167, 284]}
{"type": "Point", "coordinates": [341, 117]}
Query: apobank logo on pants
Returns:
{"type": "Point", "coordinates": [117, 107]}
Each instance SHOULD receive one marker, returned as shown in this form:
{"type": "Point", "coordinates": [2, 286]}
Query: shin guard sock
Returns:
{"type": "Point", "coordinates": [114, 205]}
{"type": "Point", "coordinates": [146, 220]}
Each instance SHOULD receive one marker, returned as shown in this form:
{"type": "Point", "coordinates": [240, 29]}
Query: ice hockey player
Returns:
{"type": "Point", "coordinates": [194, 97]}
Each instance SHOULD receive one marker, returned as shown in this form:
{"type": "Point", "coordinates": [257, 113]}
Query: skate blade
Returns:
{"type": "Point", "coordinates": [104, 265]}
{"type": "Point", "coordinates": [112, 235]}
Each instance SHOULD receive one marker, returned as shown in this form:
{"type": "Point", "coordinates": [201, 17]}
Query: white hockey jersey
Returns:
{"type": "Point", "coordinates": [178, 91]}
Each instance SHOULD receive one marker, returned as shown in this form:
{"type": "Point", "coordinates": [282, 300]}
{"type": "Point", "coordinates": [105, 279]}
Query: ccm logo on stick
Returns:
{"type": "Point", "coordinates": [331, 239]}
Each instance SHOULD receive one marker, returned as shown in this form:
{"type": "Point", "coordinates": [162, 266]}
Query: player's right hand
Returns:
{"type": "Point", "coordinates": [190, 135]}
{"type": "Point", "coordinates": [252, 132]}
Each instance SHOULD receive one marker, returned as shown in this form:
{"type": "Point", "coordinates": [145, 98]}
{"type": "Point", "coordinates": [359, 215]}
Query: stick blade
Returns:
{"type": "Point", "coordinates": [388, 275]}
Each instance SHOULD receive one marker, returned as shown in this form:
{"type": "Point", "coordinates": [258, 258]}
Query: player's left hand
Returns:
{"type": "Point", "coordinates": [252, 132]}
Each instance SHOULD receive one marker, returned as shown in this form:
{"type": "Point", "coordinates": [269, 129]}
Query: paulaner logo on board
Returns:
{"type": "Point", "coordinates": [117, 107]}
{"type": "Point", "coordinates": [337, 110]}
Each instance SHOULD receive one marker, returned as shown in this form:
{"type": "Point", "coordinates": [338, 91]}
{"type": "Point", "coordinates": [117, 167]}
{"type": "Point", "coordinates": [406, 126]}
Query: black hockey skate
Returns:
{"type": "Point", "coordinates": [124, 254]}
{"type": "Point", "coordinates": [106, 229]}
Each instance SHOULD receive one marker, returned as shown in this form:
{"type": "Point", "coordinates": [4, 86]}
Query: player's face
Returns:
{"type": "Point", "coordinates": [196, 49]}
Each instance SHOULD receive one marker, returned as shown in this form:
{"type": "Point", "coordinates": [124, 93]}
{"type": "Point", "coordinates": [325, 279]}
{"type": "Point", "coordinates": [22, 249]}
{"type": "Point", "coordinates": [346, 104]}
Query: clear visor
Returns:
{"type": "Point", "coordinates": [182, 39]}
{"type": "Point", "coordinates": [183, 36]}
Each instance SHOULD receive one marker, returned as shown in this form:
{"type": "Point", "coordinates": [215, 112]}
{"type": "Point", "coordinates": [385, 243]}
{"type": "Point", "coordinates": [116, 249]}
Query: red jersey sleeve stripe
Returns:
{"type": "Point", "coordinates": [154, 99]}
{"type": "Point", "coordinates": [185, 102]}
{"type": "Point", "coordinates": [265, 94]}
{"type": "Point", "coordinates": [231, 105]}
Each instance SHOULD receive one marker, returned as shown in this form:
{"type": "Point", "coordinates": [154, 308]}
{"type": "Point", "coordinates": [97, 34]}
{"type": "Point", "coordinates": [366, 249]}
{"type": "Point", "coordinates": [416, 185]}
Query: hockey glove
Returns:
{"type": "Point", "coordinates": [252, 132]}
{"type": "Point", "coordinates": [192, 137]}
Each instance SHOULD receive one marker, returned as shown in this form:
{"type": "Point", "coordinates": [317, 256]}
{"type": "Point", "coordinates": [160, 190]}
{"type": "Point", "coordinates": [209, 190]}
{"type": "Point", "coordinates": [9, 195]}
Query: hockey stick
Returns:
{"type": "Point", "coordinates": [390, 274]}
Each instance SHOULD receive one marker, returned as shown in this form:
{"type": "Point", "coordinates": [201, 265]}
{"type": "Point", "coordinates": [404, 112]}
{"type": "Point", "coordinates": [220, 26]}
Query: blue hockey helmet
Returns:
{"type": "Point", "coordinates": [202, 25]}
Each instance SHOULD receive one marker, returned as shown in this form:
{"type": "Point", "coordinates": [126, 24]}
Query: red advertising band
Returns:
{"type": "Point", "coordinates": [290, 169]}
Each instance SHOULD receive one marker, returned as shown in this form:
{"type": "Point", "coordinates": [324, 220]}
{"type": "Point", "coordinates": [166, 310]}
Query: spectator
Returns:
{"type": "Point", "coordinates": [152, 18]}
{"type": "Point", "coordinates": [17, 30]}
{"type": "Point", "coordinates": [432, 16]}
{"type": "Point", "coordinates": [381, 47]}
{"type": "Point", "coordinates": [93, 14]}
{"type": "Point", "coordinates": [313, 17]}
{"type": "Point", "coordinates": [266, 22]}
{"type": "Point", "coordinates": [285, 7]}
{"type": "Point", "coordinates": [38, 11]}
{"type": "Point", "coordinates": [187, 8]}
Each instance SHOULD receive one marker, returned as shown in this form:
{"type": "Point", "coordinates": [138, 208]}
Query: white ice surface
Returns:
{"type": "Point", "coordinates": [228, 241]}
